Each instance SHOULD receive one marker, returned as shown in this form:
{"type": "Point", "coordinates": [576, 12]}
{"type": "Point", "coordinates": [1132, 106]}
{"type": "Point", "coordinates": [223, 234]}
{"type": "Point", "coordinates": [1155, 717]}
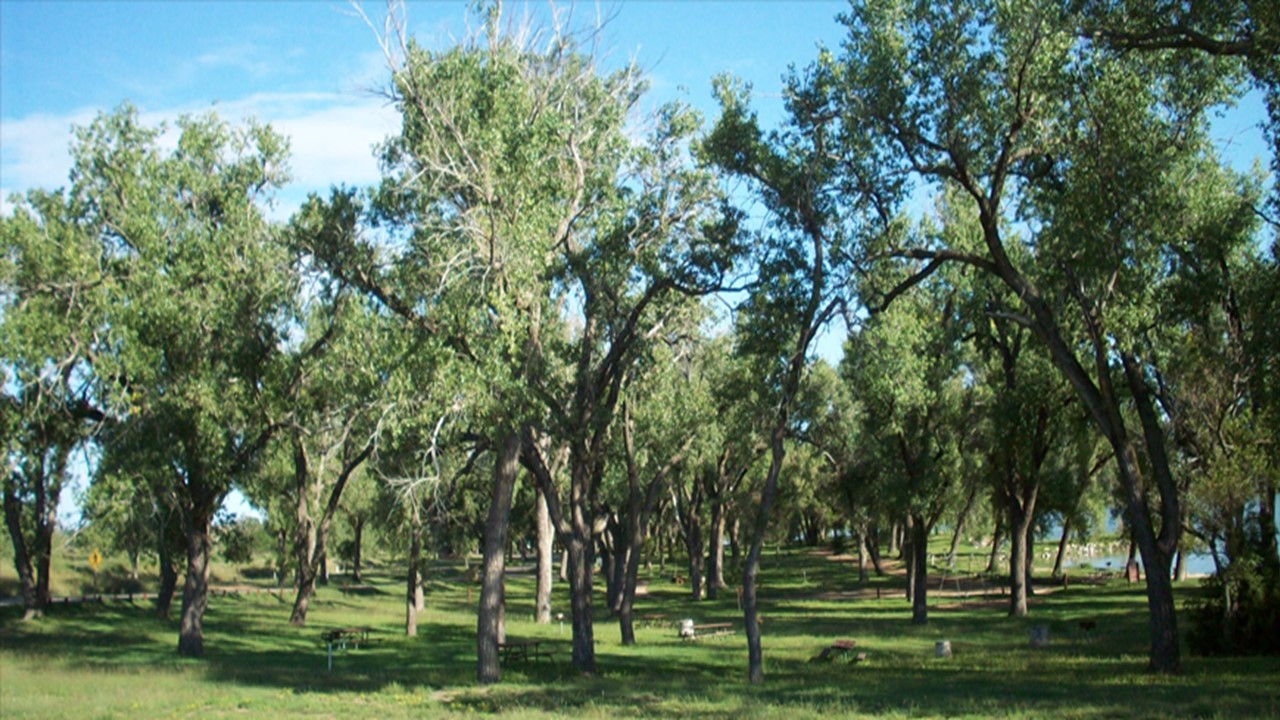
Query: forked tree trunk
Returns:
{"type": "Point", "coordinates": [32, 607]}
{"type": "Point", "coordinates": [489, 625]}
{"type": "Point", "coordinates": [1020, 517]}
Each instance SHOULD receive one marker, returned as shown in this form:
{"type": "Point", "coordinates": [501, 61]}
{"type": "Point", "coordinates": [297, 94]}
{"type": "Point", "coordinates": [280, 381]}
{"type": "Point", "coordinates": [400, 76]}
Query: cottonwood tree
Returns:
{"type": "Point", "coordinates": [336, 411]}
{"type": "Point", "coordinates": [199, 285]}
{"type": "Point", "coordinates": [1006, 103]}
{"type": "Point", "coordinates": [801, 256]}
{"type": "Point", "coordinates": [53, 285]}
{"type": "Point", "coordinates": [907, 367]}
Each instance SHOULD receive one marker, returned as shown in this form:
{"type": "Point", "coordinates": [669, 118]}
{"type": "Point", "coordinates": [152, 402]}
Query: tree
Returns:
{"type": "Point", "coordinates": [525, 201]}
{"type": "Point", "coordinates": [1004, 103]}
{"type": "Point", "coordinates": [52, 286]}
{"type": "Point", "coordinates": [801, 257]}
{"type": "Point", "coordinates": [907, 367]}
{"type": "Point", "coordinates": [199, 284]}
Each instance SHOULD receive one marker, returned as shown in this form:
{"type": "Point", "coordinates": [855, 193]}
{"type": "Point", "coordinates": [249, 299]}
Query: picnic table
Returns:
{"type": "Point", "coordinates": [690, 631]}
{"type": "Point", "coordinates": [342, 637]}
{"type": "Point", "coordinates": [840, 649]}
{"type": "Point", "coordinates": [524, 650]}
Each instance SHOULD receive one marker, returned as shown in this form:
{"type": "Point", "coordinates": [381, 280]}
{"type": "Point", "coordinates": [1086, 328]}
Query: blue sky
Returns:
{"type": "Point", "coordinates": [309, 68]}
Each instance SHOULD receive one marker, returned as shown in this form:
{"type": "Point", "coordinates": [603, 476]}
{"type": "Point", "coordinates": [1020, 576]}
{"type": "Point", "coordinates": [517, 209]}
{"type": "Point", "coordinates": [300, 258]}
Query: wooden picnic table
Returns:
{"type": "Point", "coordinates": [841, 650]}
{"type": "Point", "coordinates": [705, 630]}
{"type": "Point", "coordinates": [341, 637]}
{"type": "Point", "coordinates": [524, 650]}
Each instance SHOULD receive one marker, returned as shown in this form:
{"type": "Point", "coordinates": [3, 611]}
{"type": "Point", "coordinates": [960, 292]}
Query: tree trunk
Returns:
{"type": "Point", "coordinates": [564, 565]}
{"type": "Point", "coordinates": [168, 571]}
{"type": "Point", "coordinates": [735, 547]}
{"type": "Point", "coordinates": [909, 559]}
{"type": "Point", "coordinates": [357, 549]}
{"type": "Point", "coordinates": [1030, 566]}
{"type": "Point", "coordinates": [32, 608]}
{"type": "Point", "coordinates": [168, 581]}
{"type": "Point", "coordinates": [1180, 567]}
{"type": "Point", "coordinates": [693, 546]}
{"type": "Point", "coordinates": [1064, 541]}
{"type": "Point", "coordinates": [960, 521]}
{"type": "Point", "coordinates": [996, 540]}
{"type": "Point", "coordinates": [412, 583]}
{"type": "Point", "coordinates": [895, 548]}
{"type": "Point", "coordinates": [545, 540]}
{"type": "Point", "coordinates": [861, 538]}
{"type": "Point", "coordinates": [195, 591]}
{"type": "Point", "coordinates": [873, 549]}
{"type": "Point", "coordinates": [306, 550]}
{"type": "Point", "coordinates": [489, 621]}
{"type": "Point", "coordinates": [715, 554]}
{"type": "Point", "coordinates": [1020, 526]}
{"type": "Point", "coordinates": [920, 555]}
{"type": "Point", "coordinates": [751, 571]}
{"type": "Point", "coordinates": [580, 564]}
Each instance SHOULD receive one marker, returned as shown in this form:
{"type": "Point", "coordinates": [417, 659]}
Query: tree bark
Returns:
{"type": "Point", "coordinates": [357, 548]}
{"type": "Point", "coordinates": [861, 537]}
{"type": "Point", "coordinates": [960, 521]}
{"type": "Point", "coordinates": [545, 540]}
{"type": "Point", "coordinates": [1064, 541]}
{"type": "Point", "coordinates": [715, 554]}
{"type": "Point", "coordinates": [412, 583]}
{"type": "Point", "coordinates": [1019, 555]}
{"type": "Point", "coordinates": [168, 575]}
{"type": "Point", "coordinates": [580, 564]}
{"type": "Point", "coordinates": [919, 543]}
{"type": "Point", "coordinates": [195, 591]}
{"type": "Point", "coordinates": [32, 607]}
{"type": "Point", "coordinates": [909, 559]}
{"type": "Point", "coordinates": [489, 624]}
{"type": "Point", "coordinates": [873, 548]}
{"type": "Point", "coordinates": [996, 539]}
{"type": "Point", "coordinates": [751, 572]}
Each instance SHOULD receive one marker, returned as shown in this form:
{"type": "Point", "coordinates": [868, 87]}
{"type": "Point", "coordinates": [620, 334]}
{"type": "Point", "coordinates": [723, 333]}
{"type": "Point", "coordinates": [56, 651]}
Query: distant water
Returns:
{"type": "Point", "coordinates": [1196, 564]}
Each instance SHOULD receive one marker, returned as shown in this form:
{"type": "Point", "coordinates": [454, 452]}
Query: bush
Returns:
{"type": "Point", "coordinates": [1239, 613]}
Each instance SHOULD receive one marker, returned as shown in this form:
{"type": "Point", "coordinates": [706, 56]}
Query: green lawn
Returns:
{"type": "Point", "coordinates": [115, 660]}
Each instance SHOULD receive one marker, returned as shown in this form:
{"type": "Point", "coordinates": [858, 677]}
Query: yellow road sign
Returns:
{"type": "Point", "coordinates": [95, 559]}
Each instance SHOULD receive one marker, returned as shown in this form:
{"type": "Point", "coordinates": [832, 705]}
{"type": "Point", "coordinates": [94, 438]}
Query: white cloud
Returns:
{"type": "Point", "coordinates": [331, 138]}
{"type": "Point", "coordinates": [34, 149]}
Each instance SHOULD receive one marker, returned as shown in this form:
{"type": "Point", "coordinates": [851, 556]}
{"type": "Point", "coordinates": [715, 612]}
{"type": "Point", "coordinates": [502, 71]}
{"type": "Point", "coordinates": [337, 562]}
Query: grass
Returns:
{"type": "Point", "coordinates": [114, 659]}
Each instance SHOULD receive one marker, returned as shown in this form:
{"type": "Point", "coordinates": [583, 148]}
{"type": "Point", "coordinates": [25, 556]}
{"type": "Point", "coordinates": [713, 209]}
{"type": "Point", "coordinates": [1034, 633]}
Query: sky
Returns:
{"type": "Point", "coordinates": [312, 69]}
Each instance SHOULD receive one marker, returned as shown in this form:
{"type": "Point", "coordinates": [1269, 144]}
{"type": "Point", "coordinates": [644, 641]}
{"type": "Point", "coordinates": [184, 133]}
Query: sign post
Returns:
{"type": "Point", "coordinates": [95, 561]}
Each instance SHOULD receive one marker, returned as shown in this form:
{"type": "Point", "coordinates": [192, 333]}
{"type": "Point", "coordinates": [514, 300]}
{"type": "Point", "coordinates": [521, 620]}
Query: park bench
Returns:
{"type": "Point", "coordinates": [690, 631]}
{"type": "Point", "coordinates": [653, 620]}
{"type": "Point", "coordinates": [840, 650]}
{"type": "Point", "coordinates": [524, 650]}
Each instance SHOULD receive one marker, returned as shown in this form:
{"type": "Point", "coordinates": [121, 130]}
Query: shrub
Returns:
{"type": "Point", "coordinates": [1238, 614]}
